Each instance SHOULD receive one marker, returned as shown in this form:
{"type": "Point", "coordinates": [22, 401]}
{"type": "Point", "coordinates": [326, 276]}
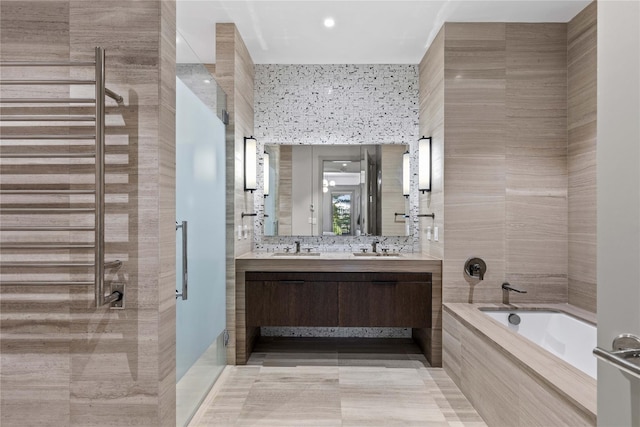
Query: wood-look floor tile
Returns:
{"type": "Point", "coordinates": [398, 389]}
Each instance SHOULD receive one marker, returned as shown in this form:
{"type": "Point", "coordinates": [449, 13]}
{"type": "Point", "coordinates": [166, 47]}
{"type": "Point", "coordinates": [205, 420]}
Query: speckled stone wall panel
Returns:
{"type": "Point", "coordinates": [336, 104]}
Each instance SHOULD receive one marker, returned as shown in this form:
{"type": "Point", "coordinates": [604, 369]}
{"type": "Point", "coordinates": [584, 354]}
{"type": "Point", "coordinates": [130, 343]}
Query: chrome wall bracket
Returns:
{"type": "Point", "coordinates": [118, 287]}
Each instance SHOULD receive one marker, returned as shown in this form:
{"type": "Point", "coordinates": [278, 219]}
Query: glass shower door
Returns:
{"type": "Point", "coordinates": [200, 240]}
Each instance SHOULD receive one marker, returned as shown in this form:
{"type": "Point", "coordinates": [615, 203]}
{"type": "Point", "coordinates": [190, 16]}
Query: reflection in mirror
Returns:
{"type": "Point", "coordinates": [335, 190]}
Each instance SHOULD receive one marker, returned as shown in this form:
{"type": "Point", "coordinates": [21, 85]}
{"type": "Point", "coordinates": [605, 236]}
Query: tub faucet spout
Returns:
{"type": "Point", "coordinates": [506, 288]}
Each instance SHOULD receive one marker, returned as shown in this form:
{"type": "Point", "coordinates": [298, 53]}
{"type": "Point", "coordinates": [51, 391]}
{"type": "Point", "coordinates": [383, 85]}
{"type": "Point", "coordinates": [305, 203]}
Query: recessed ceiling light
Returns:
{"type": "Point", "coordinates": [207, 81]}
{"type": "Point", "coordinates": [329, 22]}
{"type": "Point", "coordinates": [177, 39]}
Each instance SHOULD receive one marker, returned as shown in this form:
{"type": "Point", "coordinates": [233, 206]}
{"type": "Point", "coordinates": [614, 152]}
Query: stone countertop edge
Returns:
{"type": "Point", "coordinates": [579, 387]}
{"type": "Point", "coordinates": [338, 256]}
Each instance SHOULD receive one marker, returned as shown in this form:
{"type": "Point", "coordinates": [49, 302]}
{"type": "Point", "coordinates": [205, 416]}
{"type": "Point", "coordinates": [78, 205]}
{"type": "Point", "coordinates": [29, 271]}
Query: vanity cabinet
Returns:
{"type": "Point", "coordinates": [385, 300]}
{"type": "Point", "coordinates": [291, 299]}
{"type": "Point", "coordinates": [351, 299]}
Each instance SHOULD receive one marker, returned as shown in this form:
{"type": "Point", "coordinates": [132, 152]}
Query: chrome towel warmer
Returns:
{"type": "Point", "coordinates": [116, 295]}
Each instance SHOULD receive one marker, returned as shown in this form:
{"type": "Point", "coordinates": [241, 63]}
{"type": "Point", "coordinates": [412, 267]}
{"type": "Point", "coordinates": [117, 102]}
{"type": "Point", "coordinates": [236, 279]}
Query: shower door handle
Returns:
{"type": "Point", "coordinates": [625, 354]}
{"type": "Point", "coordinates": [185, 263]}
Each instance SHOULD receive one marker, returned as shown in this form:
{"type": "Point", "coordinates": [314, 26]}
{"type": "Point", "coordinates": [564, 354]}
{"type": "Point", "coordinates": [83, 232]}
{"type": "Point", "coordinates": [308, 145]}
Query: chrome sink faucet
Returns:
{"type": "Point", "coordinates": [374, 246]}
{"type": "Point", "coordinates": [297, 242]}
{"type": "Point", "coordinates": [506, 288]}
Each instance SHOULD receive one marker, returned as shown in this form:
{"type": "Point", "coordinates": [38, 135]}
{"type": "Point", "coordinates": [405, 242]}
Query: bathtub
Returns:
{"type": "Point", "coordinates": [565, 336]}
{"type": "Point", "coordinates": [543, 367]}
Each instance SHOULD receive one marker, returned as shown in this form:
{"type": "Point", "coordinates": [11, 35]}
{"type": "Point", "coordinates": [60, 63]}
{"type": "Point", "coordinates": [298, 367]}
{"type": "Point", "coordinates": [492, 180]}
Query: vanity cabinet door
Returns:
{"type": "Point", "coordinates": [290, 300]}
{"type": "Point", "coordinates": [385, 302]}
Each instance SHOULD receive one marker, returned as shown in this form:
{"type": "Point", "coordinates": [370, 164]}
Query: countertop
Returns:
{"type": "Point", "coordinates": [337, 256]}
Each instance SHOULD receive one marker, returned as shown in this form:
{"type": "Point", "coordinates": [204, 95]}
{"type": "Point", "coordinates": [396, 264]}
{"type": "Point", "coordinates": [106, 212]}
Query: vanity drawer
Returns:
{"type": "Point", "coordinates": [291, 301]}
{"type": "Point", "coordinates": [385, 303]}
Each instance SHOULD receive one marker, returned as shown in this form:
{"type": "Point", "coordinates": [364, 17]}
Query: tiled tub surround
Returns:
{"type": "Point", "coordinates": [429, 339]}
{"type": "Point", "coordinates": [509, 379]}
{"type": "Point", "coordinates": [336, 104]}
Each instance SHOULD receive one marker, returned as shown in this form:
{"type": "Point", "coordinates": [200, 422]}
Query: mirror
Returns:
{"type": "Point", "coordinates": [335, 190]}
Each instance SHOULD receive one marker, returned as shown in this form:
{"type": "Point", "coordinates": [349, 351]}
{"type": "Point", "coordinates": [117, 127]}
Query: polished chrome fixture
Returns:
{"type": "Point", "coordinates": [116, 295]}
{"type": "Point", "coordinates": [406, 174]}
{"type": "Point", "coordinates": [243, 214]}
{"type": "Point", "coordinates": [250, 164]}
{"type": "Point", "coordinates": [424, 164]}
{"type": "Point", "coordinates": [185, 262]}
{"type": "Point", "coordinates": [374, 246]}
{"type": "Point", "coordinates": [624, 354]}
{"type": "Point", "coordinates": [475, 268]}
{"type": "Point", "coordinates": [266, 174]}
{"type": "Point", "coordinates": [297, 243]}
{"type": "Point", "coordinates": [506, 288]}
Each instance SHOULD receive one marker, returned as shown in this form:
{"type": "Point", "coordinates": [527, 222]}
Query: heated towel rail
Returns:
{"type": "Point", "coordinates": [33, 155]}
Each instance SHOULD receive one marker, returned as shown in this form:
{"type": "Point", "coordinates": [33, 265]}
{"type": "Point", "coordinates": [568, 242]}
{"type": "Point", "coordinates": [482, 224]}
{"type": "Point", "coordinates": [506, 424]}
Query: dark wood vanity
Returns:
{"type": "Point", "coordinates": [363, 299]}
{"type": "Point", "coordinates": [339, 290]}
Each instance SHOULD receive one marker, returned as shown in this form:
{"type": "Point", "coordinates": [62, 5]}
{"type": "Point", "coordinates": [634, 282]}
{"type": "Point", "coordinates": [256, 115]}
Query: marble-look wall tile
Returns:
{"type": "Point", "coordinates": [536, 157]}
{"type": "Point", "coordinates": [99, 366]}
{"type": "Point", "coordinates": [235, 74]}
{"type": "Point", "coordinates": [500, 114]}
{"type": "Point", "coordinates": [474, 158]}
{"type": "Point", "coordinates": [582, 105]}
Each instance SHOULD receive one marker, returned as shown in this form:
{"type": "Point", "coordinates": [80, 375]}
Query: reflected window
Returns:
{"type": "Point", "coordinates": [341, 213]}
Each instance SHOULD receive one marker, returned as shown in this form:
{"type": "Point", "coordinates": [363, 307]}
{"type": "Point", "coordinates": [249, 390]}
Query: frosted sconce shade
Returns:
{"type": "Point", "coordinates": [266, 174]}
{"type": "Point", "coordinates": [424, 164]}
{"type": "Point", "coordinates": [406, 175]}
{"type": "Point", "coordinates": [250, 164]}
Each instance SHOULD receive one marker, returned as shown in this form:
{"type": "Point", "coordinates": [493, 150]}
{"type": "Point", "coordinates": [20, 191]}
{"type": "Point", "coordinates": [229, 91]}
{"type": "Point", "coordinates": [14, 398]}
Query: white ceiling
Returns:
{"type": "Point", "coordinates": [366, 32]}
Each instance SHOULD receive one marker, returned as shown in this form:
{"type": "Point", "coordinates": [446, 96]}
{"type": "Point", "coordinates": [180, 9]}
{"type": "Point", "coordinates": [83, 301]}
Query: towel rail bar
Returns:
{"type": "Point", "coordinates": [115, 297]}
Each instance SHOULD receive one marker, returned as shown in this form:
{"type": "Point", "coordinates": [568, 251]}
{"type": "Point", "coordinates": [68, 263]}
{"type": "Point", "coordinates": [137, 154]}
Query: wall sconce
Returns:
{"type": "Point", "coordinates": [266, 174]}
{"type": "Point", "coordinates": [424, 164]}
{"type": "Point", "coordinates": [406, 175]}
{"type": "Point", "coordinates": [250, 164]}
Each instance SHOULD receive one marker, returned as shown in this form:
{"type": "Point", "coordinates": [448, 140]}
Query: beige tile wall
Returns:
{"type": "Point", "coordinates": [431, 98]}
{"type": "Point", "coordinates": [582, 97]}
{"type": "Point", "coordinates": [235, 74]}
{"type": "Point", "coordinates": [536, 251]}
{"type": "Point", "coordinates": [63, 361]}
{"type": "Point", "coordinates": [474, 157]}
{"type": "Point", "coordinates": [500, 115]}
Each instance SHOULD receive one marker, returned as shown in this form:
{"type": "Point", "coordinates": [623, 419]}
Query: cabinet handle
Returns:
{"type": "Point", "coordinates": [292, 282]}
{"type": "Point", "coordinates": [383, 282]}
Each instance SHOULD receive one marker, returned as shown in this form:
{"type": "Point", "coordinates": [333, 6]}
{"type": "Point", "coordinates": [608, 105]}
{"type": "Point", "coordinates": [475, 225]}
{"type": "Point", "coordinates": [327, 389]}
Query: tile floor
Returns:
{"type": "Point", "coordinates": [336, 382]}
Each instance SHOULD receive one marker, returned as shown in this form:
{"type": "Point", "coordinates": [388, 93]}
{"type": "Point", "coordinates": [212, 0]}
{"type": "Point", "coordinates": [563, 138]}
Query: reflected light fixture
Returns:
{"type": "Point", "coordinates": [329, 22]}
{"type": "Point", "coordinates": [424, 164]}
{"type": "Point", "coordinates": [266, 174]}
{"type": "Point", "coordinates": [250, 164]}
{"type": "Point", "coordinates": [406, 175]}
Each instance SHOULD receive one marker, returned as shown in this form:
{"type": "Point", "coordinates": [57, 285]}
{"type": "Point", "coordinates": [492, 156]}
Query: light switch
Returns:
{"type": "Point", "coordinates": [435, 234]}
{"type": "Point", "coordinates": [428, 232]}
{"type": "Point", "coordinates": [239, 232]}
